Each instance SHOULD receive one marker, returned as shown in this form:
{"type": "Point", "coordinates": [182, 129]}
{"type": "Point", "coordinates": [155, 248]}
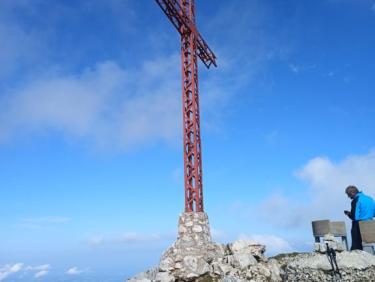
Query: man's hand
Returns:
{"type": "Point", "coordinates": [347, 213]}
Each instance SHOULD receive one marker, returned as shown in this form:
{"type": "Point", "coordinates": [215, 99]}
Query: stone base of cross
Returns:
{"type": "Point", "coordinates": [194, 246]}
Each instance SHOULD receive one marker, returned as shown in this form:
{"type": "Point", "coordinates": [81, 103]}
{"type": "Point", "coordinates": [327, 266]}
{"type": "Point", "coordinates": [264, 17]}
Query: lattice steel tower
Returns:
{"type": "Point", "coordinates": [182, 15]}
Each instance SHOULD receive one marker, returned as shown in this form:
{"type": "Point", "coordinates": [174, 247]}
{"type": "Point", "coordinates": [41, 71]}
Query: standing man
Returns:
{"type": "Point", "coordinates": [363, 208]}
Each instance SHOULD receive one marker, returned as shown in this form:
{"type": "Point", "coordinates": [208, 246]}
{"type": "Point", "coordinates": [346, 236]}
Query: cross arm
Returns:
{"type": "Point", "coordinates": [180, 20]}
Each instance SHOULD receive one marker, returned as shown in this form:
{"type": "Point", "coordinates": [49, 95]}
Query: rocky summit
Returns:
{"type": "Point", "coordinates": [195, 257]}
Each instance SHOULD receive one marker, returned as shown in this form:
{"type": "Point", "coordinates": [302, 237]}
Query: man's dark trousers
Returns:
{"type": "Point", "coordinates": [356, 236]}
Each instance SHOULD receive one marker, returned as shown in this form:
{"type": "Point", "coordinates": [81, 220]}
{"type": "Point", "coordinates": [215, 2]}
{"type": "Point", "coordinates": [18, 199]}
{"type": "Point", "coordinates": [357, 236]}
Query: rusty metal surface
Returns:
{"type": "Point", "coordinates": [181, 13]}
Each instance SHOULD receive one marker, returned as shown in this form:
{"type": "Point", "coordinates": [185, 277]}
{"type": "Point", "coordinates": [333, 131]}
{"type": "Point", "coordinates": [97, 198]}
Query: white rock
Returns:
{"type": "Point", "coordinates": [340, 247]}
{"type": "Point", "coordinates": [146, 276]}
{"type": "Point", "coordinates": [275, 270]}
{"type": "Point", "coordinates": [225, 268]}
{"type": "Point", "coordinates": [182, 229]}
{"type": "Point", "coordinates": [264, 271]}
{"type": "Point", "coordinates": [243, 260]}
{"type": "Point", "coordinates": [329, 237]}
{"type": "Point", "coordinates": [250, 247]}
{"type": "Point", "coordinates": [197, 228]}
{"type": "Point", "coordinates": [164, 277]}
{"type": "Point", "coordinates": [139, 280]}
{"type": "Point", "coordinates": [186, 238]}
{"type": "Point", "coordinates": [192, 275]}
{"type": "Point", "coordinates": [231, 278]}
{"type": "Point", "coordinates": [204, 268]}
{"type": "Point", "coordinates": [215, 268]}
{"type": "Point", "coordinates": [249, 274]}
{"type": "Point", "coordinates": [191, 262]}
{"type": "Point", "coordinates": [166, 264]}
{"type": "Point", "coordinates": [355, 259]}
{"type": "Point", "coordinates": [240, 246]}
{"type": "Point", "coordinates": [189, 223]}
{"type": "Point", "coordinates": [178, 258]}
{"type": "Point", "coordinates": [332, 245]}
{"type": "Point", "coordinates": [317, 247]}
{"type": "Point", "coordinates": [323, 248]}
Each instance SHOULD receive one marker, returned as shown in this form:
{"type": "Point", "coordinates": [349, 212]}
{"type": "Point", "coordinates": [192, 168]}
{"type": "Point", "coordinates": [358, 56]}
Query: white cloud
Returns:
{"type": "Point", "coordinates": [39, 270]}
{"type": "Point", "coordinates": [323, 174]}
{"type": "Point", "coordinates": [120, 108]}
{"type": "Point", "coordinates": [105, 105]}
{"type": "Point", "coordinates": [281, 210]}
{"type": "Point", "coordinates": [39, 267]}
{"type": "Point", "coordinates": [96, 240]}
{"type": "Point", "coordinates": [41, 273]}
{"type": "Point", "coordinates": [9, 269]}
{"type": "Point", "coordinates": [328, 181]}
{"type": "Point", "coordinates": [324, 197]}
{"type": "Point", "coordinates": [74, 271]}
{"type": "Point", "coordinates": [274, 244]}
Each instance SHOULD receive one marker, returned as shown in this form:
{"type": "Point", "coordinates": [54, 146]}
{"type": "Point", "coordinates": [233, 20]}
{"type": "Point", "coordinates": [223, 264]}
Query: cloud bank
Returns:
{"type": "Point", "coordinates": [12, 269]}
{"type": "Point", "coordinates": [325, 198]}
{"type": "Point", "coordinates": [9, 269]}
{"type": "Point", "coordinates": [74, 271]}
{"type": "Point", "coordinates": [106, 105]}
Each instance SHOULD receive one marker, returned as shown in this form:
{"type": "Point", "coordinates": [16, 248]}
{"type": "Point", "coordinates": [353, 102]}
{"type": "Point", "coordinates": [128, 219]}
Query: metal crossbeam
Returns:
{"type": "Point", "coordinates": [173, 10]}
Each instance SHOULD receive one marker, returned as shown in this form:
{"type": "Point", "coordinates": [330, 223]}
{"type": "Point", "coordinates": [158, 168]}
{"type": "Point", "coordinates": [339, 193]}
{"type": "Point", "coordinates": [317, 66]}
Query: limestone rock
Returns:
{"type": "Point", "coordinates": [231, 278]}
{"type": "Point", "coordinates": [164, 277]}
{"type": "Point", "coordinates": [332, 243]}
{"type": "Point", "coordinates": [276, 271]}
{"type": "Point", "coordinates": [166, 264]}
{"type": "Point", "coordinates": [145, 276]}
{"type": "Point", "coordinates": [243, 260]}
{"type": "Point", "coordinates": [194, 257]}
{"type": "Point", "coordinates": [314, 267]}
{"type": "Point", "coordinates": [250, 247]}
{"type": "Point", "coordinates": [135, 279]}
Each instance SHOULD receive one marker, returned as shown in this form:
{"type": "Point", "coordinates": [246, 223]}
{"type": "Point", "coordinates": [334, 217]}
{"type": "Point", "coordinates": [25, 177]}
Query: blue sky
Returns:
{"type": "Point", "coordinates": [91, 173]}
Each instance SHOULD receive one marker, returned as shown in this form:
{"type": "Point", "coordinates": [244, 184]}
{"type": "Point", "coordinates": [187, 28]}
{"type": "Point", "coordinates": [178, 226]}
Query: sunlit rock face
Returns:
{"type": "Point", "coordinates": [353, 266]}
{"type": "Point", "coordinates": [195, 257]}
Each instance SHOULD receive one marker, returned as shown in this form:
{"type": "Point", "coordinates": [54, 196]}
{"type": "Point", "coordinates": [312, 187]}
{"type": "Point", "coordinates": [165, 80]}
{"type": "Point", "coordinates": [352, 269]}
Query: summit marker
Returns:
{"type": "Point", "coordinates": [181, 13]}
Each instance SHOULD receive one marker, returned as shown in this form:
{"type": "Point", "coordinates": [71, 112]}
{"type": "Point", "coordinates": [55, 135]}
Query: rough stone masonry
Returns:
{"type": "Point", "coordinates": [195, 257]}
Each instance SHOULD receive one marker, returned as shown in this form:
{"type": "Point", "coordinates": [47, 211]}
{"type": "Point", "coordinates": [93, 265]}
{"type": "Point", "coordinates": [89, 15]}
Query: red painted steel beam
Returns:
{"type": "Point", "coordinates": [179, 18]}
{"type": "Point", "coordinates": [191, 122]}
{"type": "Point", "coordinates": [182, 15]}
